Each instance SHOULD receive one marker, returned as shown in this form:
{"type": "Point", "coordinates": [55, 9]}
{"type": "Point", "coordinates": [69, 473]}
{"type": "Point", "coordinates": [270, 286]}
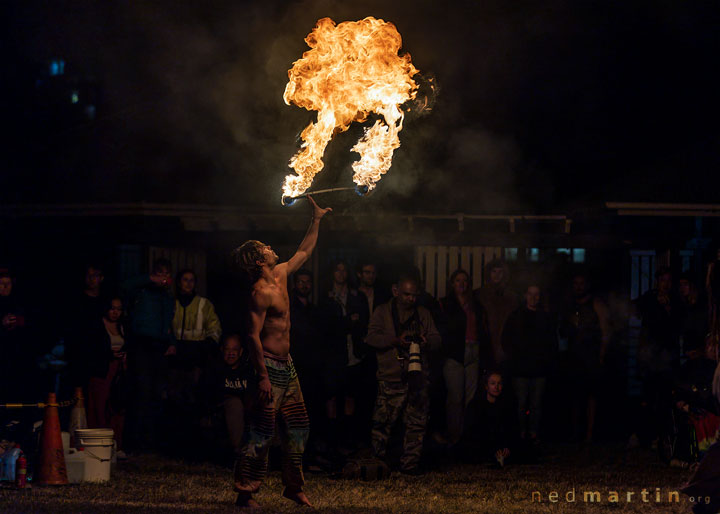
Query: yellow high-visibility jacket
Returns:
{"type": "Point", "coordinates": [197, 321]}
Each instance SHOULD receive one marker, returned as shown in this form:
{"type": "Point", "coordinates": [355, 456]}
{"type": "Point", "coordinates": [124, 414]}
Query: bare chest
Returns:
{"type": "Point", "coordinates": [279, 303]}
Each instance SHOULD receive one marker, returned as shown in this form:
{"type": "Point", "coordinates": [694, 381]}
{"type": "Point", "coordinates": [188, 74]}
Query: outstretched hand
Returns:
{"type": "Point", "coordinates": [318, 212]}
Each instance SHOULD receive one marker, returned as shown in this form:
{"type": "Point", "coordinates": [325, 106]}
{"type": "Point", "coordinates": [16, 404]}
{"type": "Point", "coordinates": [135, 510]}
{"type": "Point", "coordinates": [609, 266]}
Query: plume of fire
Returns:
{"type": "Point", "coordinates": [351, 70]}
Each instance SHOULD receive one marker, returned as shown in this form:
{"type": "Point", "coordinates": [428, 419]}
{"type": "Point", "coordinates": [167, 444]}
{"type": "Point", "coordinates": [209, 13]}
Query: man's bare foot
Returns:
{"type": "Point", "coordinates": [246, 502]}
{"type": "Point", "coordinates": [298, 497]}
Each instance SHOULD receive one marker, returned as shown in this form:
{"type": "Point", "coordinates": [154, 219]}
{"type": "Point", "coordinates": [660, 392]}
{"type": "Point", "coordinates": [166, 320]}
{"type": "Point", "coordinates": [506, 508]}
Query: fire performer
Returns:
{"type": "Point", "coordinates": [278, 389]}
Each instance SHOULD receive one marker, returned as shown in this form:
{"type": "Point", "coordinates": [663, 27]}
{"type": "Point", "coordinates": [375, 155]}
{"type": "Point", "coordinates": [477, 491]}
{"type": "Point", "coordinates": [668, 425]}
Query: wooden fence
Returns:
{"type": "Point", "coordinates": [436, 263]}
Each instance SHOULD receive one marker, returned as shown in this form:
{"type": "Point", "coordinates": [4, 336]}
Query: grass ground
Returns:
{"type": "Point", "coordinates": [151, 484]}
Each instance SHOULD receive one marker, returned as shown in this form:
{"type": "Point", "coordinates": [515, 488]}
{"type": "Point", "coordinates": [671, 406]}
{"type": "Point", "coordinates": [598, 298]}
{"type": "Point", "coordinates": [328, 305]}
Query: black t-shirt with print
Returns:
{"type": "Point", "coordinates": [237, 381]}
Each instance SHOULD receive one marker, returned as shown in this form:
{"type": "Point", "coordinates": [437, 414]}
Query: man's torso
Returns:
{"type": "Point", "coordinates": [275, 334]}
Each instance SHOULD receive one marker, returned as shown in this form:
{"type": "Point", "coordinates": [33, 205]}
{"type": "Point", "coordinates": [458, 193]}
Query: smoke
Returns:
{"type": "Point", "coordinates": [192, 109]}
{"type": "Point", "coordinates": [194, 102]}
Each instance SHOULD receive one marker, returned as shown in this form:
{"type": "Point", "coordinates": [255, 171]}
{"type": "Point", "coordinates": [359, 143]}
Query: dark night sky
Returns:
{"type": "Point", "coordinates": [542, 107]}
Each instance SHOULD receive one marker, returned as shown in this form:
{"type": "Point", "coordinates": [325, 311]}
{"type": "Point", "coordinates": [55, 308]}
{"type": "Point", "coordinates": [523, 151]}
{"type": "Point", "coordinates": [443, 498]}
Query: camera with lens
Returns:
{"type": "Point", "coordinates": [413, 338]}
{"type": "Point", "coordinates": [414, 367]}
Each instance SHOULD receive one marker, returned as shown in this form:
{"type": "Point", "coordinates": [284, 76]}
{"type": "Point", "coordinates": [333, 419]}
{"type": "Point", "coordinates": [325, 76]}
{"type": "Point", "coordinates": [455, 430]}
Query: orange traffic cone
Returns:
{"type": "Point", "coordinates": [78, 418]}
{"type": "Point", "coordinates": [52, 470]}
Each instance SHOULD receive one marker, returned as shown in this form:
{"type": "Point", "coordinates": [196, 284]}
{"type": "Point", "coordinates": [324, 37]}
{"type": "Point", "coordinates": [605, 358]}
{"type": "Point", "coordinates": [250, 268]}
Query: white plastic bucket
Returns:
{"type": "Point", "coordinates": [97, 444]}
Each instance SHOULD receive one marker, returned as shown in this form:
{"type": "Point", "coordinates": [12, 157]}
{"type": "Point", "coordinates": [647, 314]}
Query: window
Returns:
{"type": "Point", "coordinates": [566, 251]}
{"type": "Point", "coordinates": [686, 257]}
{"type": "Point", "coordinates": [57, 67]}
{"type": "Point", "coordinates": [578, 255]}
{"type": "Point", "coordinates": [511, 254]}
{"type": "Point", "coordinates": [533, 254]}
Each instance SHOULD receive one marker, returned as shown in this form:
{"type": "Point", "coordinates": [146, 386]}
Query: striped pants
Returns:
{"type": "Point", "coordinates": [288, 408]}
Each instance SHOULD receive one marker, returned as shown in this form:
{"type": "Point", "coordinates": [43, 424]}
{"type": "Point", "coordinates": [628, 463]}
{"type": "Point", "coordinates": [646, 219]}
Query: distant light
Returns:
{"type": "Point", "coordinates": [686, 257]}
{"type": "Point", "coordinates": [578, 255]}
{"type": "Point", "coordinates": [75, 97]}
{"type": "Point", "coordinates": [57, 67]}
{"type": "Point", "coordinates": [511, 254]}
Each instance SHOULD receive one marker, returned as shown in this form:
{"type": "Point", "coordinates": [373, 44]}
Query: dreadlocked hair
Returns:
{"type": "Point", "coordinates": [246, 256]}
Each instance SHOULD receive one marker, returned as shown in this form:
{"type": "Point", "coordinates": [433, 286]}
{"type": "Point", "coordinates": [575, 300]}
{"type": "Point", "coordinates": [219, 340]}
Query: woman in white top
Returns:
{"type": "Point", "coordinates": [106, 365]}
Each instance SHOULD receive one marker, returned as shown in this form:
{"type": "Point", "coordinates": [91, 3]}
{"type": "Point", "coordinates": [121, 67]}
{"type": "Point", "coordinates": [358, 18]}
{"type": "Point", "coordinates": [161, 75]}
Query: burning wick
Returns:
{"type": "Point", "coordinates": [360, 190]}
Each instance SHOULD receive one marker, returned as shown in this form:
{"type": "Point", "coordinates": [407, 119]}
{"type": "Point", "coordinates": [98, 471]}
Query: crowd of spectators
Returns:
{"type": "Point", "coordinates": [390, 371]}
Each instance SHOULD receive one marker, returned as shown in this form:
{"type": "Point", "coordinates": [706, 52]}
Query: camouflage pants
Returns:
{"type": "Point", "coordinates": [288, 408]}
{"type": "Point", "coordinates": [395, 400]}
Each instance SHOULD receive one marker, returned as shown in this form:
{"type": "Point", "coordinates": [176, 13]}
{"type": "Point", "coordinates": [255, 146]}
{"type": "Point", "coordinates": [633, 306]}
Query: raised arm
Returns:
{"type": "Point", "coordinates": [310, 240]}
{"type": "Point", "coordinates": [258, 307]}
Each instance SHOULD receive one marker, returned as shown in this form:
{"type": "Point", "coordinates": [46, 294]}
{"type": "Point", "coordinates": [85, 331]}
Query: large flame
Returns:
{"type": "Point", "coordinates": [351, 70]}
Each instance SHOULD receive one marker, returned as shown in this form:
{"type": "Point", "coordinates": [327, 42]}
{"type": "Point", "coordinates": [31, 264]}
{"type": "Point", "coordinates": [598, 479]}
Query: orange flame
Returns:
{"type": "Point", "coordinates": [351, 70]}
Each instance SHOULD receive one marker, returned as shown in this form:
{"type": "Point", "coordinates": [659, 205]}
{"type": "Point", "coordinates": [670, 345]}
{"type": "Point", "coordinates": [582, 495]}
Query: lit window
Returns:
{"type": "Point", "coordinates": [57, 67]}
{"type": "Point", "coordinates": [686, 258]}
{"type": "Point", "coordinates": [566, 251]}
{"type": "Point", "coordinates": [533, 254]}
{"type": "Point", "coordinates": [578, 255]}
{"type": "Point", "coordinates": [511, 254]}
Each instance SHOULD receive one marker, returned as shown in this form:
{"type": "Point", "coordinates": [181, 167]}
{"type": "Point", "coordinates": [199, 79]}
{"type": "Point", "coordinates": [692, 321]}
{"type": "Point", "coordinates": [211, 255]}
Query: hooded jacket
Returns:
{"type": "Point", "coordinates": [150, 310]}
{"type": "Point", "coordinates": [196, 321]}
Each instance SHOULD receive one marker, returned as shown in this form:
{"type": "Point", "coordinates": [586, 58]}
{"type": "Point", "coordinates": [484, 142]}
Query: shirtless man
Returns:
{"type": "Point", "coordinates": [278, 386]}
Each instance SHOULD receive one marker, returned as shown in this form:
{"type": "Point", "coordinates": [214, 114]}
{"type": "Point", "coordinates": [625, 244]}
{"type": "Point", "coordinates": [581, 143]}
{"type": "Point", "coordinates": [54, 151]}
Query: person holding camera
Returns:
{"type": "Point", "coordinates": [402, 334]}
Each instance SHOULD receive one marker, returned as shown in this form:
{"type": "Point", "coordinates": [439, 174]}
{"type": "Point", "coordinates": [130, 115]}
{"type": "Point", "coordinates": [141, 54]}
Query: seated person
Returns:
{"type": "Point", "coordinates": [229, 383]}
{"type": "Point", "coordinates": [493, 429]}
